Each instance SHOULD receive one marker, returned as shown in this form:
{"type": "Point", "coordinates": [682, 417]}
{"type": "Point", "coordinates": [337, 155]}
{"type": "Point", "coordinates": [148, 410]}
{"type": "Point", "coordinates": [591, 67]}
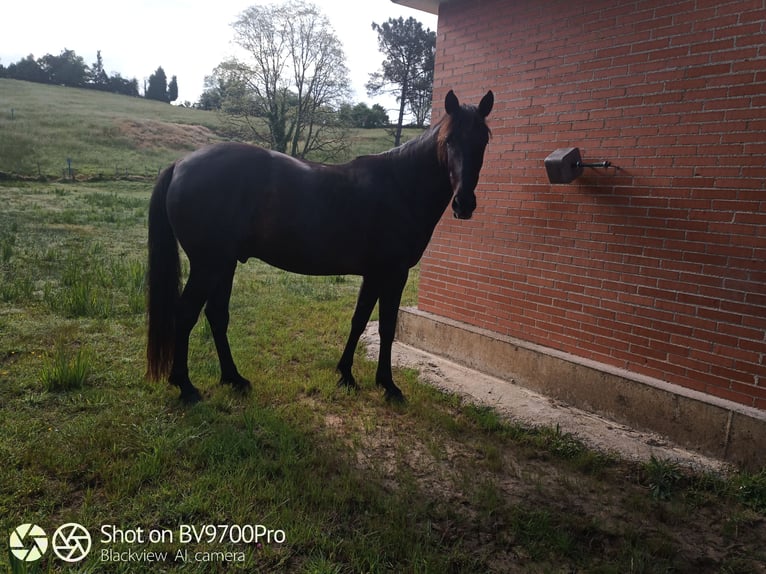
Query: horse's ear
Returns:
{"type": "Point", "coordinates": [451, 103]}
{"type": "Point", "coordinates": [486, 103]}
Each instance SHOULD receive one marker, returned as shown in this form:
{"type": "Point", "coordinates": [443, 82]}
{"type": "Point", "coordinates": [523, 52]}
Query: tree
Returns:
{"type": "Point", "coordinates": [158, 86]}
{"type": "Point", "coordinates": [67, 69]}
{"type": "Point", "coordinates": [407, 71]}
{"type": "Point", "coordinates": [295, 78]}
{"type": "Point", "coordinates": [120, 85]}
{"type": "Point", "coordinates": [27, 69]}
{"type": "Point", "coordinates": [362, 116]}
{"type": "Point", "coordinates": [213, 94]}
{"type": "Point", "coordinates": [172, 94]}
{"type": "Point", "coordinates": [377, 118]}
{"type": "Point", "coordinates": [98, 78]}
{"type": "Point", "coordinates": [421, 90]}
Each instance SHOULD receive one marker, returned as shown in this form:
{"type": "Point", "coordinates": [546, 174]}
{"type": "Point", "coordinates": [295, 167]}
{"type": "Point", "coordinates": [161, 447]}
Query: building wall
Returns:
{"type": "Point", "coordinates": [657, 266]}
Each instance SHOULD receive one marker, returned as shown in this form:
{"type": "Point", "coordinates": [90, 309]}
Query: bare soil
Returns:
{"type": "Point", "coordinates": [151, 134]}
{"type": "Point", "coordinates": [685, 535]}
{"type": "Point", "coordinates": [524, 405]}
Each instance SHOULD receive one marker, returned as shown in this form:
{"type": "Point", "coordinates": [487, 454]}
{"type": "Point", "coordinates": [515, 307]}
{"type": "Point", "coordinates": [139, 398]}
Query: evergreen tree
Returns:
{"type": "Point", "coordinates": [98, 78]}
{"type": "Point", "coordinates": [172, 94]}
{"type": "Point", "coordinates": [407, 71]}
{"type": "Point", "coordinates": [158, 86]}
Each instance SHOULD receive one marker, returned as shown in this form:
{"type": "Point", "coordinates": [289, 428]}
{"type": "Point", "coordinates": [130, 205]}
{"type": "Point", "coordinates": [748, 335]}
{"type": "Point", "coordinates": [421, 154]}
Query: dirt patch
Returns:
{"type": "Point", "coordinates": [151, 134]}
{"type": "Point", "coordinates": [506, 503]}
{"type": "Point", "coordinates": [529, 407]}
{"type": "Point", "coordinates": [518, 510]}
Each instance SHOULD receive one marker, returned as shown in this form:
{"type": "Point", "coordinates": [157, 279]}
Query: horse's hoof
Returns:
{"type": "Point", "coordinates": [395, 396]}
{"type": "Point", "coordinates": [190, 396]}
{"type": "Point", "coordinates": [348, 382]}
{"type": "Point", "coordinates": [189, 393]}
{"type": "Point", "coordinates": [238, 383]}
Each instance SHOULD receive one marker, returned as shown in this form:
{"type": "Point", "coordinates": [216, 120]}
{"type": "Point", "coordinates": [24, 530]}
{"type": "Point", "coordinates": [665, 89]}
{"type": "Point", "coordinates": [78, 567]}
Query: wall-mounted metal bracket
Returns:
{"type": "Point", "coordinates": [597, 164]}
{"type": "Point", "coordinates": [565, 165]}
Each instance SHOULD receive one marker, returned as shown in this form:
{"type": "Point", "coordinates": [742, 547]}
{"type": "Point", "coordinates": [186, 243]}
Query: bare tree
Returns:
{"type": "Point", "coordinates": [293, 80]}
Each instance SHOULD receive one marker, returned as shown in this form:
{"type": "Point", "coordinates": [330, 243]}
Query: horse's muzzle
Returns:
{"type": "Point", "coordinates": [459, 210]}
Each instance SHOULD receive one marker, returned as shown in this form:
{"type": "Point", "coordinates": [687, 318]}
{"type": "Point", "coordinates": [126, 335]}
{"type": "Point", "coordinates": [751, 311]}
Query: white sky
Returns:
{"type": "Point", "coordinates": [188, 38]}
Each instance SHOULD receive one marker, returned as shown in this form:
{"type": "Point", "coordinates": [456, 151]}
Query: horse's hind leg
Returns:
{"type": "Point", "coordinates": [217, 313]}
{"type": "Point", "coordinates": [368, 296]}
{"type": "Point", "coordinates": [195, 293]}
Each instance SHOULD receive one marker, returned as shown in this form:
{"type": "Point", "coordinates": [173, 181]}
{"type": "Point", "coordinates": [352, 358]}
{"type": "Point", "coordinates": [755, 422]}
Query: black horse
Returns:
{"type": "Point", "coordinates": [373, 217]}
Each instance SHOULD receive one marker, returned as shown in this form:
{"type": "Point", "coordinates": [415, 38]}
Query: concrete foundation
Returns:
{"type": "Point", "coordinates": [714, 427]}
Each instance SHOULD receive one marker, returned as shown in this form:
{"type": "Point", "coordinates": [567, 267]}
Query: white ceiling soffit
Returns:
{"type": "Point", "coordinates": [430, 6]}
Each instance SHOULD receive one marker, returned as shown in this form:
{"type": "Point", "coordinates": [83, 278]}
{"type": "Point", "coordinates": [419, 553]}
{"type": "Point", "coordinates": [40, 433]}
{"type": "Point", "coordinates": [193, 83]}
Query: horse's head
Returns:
{"type": "Point", "coordinates": [463, 136]}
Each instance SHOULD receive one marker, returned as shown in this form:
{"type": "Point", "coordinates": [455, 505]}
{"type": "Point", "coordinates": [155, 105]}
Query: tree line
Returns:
{"type": "Point", "coordinates": [289, 88]}
{"type": "Point", "coordinates": [69, 69]}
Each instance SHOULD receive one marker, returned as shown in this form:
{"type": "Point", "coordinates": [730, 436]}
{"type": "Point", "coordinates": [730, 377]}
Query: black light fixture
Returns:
{"type": "Point", "coordinates": [565, 165]}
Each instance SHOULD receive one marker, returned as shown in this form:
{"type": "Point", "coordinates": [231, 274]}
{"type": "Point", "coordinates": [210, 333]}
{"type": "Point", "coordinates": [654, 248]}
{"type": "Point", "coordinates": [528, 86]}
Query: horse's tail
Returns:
{"type": "Point", "coordinates": [163, 283]}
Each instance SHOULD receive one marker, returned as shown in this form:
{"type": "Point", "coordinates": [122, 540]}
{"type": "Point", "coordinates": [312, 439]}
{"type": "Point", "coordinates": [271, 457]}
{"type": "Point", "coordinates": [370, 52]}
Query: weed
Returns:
{"type": "Point", "coordinates": [129, 277]}
{"type": "Point", "coordinates": [486, 418]}
{"type": "Point", "coordinates": [82, 300]}
{"type": "Point", "coordinates": [322, 565]}
{"type": "Point", "coordinates": [750, 489]}
{"type": "Point", "coordinates": [662, 477]}
{"type": "Point", "coordinates": [16, 286]}
{"type": "Point", "coordinates": [65, 371]}
{"type": "Point", "coordinates": [541, 533]}
{"type": "Point", "coordinates": [96, 284]}
{"type": "Point", "coordinates": [562, 444]}
{"type": "Point", "coordinates": [7, 243]}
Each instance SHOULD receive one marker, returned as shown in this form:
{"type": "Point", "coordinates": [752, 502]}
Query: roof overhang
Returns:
{"type": "Point", "coordinates": [430, 6]}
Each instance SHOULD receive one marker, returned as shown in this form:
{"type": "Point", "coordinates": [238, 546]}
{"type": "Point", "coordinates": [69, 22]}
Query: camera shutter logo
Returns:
{"type": "Point", "coordinates": [28, 542]}
{"type": "Point", "coordinates": [71, 542]}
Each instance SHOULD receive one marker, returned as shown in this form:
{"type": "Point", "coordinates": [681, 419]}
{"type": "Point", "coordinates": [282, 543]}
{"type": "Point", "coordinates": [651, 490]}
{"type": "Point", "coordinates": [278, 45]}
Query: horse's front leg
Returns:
{"type": "Point", "coordinates": [368, 296]}
{"type": "Point", "coordinates": [390, 298]}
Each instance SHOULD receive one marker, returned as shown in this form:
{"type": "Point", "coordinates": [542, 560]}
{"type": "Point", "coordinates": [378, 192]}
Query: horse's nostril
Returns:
{"type": "Point", "coordinates": [463, 210]}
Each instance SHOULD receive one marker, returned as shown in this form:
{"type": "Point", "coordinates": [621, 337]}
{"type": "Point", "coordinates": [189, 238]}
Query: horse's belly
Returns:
{"type": "Point", "coordinates": [308, 255]}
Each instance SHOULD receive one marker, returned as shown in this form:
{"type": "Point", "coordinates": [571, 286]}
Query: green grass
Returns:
{"type": "Point", "coordinates": [438, 485]}
{"type": "Point", "coordinates": [377, 140]}
{"type": "Point", "coordinates": [103, 134]}
{"type": "Point", "coordinates": [355, 484]}
{"type": "Point", "coordinates": [66, 370]}
{"type": "Point", "coordinates": [107, 135]}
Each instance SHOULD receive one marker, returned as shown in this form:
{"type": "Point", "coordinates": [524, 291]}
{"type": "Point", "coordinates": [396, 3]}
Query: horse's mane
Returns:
{"type": "Point", "coordinates": [439, 134]}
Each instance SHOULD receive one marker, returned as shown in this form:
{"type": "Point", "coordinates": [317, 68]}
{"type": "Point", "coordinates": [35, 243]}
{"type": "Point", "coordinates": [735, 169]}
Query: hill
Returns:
{"type": "Point", "coordinates": [42, 126]}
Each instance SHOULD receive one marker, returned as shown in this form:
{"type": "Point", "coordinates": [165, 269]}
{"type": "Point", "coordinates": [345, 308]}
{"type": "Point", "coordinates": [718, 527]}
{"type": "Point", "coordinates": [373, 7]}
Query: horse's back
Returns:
{"type": "Point", "coordinates": [243, 201]}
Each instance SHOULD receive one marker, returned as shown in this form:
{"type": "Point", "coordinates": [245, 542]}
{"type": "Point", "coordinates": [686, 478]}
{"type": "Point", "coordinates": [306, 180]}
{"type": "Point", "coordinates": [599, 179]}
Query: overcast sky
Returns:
{"type": "Point", "coordinates": [188, 38]}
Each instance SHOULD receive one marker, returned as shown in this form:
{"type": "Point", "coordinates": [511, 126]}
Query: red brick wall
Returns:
{"type": "Point", "coordinates": [659, 266]}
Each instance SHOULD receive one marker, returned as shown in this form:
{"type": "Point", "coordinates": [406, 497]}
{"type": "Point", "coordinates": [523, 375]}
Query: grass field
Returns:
{"type": "Point", "coordinates": [108, 135]}
{"type": "Point", "coordinates": [332, 482]}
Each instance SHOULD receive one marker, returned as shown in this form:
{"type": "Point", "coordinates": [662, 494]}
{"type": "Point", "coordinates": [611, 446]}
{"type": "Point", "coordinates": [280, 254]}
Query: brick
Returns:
{"type": "Point", "coordinates": [666, 251]}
